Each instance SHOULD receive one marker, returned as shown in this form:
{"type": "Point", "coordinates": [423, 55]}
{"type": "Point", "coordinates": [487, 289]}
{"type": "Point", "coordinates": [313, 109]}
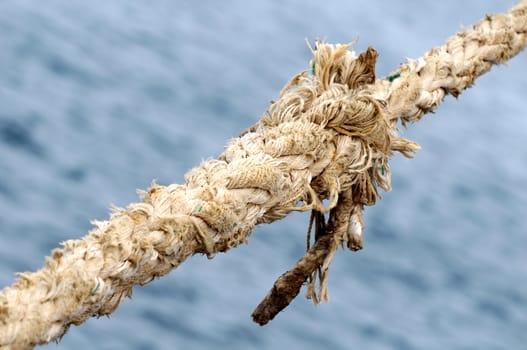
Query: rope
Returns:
{"type": "Point", "coordinates": [329, 136]}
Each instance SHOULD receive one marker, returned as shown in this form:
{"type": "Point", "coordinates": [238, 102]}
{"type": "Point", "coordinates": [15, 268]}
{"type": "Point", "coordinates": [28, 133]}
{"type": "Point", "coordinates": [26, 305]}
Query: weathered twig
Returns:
{"type": "Point", "coordinates": [288, 285]}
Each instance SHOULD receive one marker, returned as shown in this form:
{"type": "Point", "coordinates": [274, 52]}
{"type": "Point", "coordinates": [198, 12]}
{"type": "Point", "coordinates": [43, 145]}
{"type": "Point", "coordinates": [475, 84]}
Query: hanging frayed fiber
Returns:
{"type": "Point", "coordinates": [324, 146]}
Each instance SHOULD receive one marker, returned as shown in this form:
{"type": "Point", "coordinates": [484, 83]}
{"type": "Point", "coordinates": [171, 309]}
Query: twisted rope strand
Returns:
{"type": "Point", "coordinates": [419, 86]}
{"type": "Point", "coordinates": [327, 134]}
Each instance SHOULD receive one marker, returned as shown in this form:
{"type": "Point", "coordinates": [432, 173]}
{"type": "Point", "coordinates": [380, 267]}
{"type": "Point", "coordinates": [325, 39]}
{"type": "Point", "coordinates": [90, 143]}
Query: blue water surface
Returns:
{"type": "Point", "coordinates": [97, 99]}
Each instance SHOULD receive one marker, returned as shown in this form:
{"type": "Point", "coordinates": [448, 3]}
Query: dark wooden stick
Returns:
{"type": "Point", "coordinates": [288, 285]}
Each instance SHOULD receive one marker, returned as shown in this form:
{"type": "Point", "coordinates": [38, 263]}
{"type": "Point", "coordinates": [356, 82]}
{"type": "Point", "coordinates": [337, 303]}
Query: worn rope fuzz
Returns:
{"type": "Point", "coordinates": [323, 146]}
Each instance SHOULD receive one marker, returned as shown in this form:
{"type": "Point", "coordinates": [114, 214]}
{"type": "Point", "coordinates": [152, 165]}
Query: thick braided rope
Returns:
{"type": "Point", "coordinates": [419, 86]}
{"type": "Point", "coordinates": [328, 133]}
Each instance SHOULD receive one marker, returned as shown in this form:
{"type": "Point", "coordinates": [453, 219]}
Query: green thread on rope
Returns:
{"type": "Point", "coordinates": [392, 77]}
{"type": "Point", "coordinates": [92, 293]}
{"type": "Point", "coordinates": [200, 208]}
{"type": "Point", "coordinates": [383, 168]}
{"type": "Point", "coordinates": [313, 68]}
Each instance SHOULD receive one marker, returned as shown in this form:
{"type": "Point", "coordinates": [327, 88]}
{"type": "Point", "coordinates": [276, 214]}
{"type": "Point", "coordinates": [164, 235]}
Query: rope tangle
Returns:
{"type": "Point", "coordinates": [327, 139]}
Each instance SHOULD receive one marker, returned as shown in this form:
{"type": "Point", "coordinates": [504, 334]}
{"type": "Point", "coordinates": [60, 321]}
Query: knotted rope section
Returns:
{"type": "Point", "coordinates": [327, 139]}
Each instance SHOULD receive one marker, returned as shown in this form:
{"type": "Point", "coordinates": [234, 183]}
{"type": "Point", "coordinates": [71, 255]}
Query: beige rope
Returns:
{"type": "Point", "coordinates": [329, 133]}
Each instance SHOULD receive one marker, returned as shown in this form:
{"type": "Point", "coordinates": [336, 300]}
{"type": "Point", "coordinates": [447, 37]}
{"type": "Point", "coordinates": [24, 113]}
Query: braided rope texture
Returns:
{"type": "Point", "coordinates": [329, 133]}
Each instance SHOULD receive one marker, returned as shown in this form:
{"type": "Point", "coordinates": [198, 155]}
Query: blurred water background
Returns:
{"type": "Point", "coordinates": [97, 99]}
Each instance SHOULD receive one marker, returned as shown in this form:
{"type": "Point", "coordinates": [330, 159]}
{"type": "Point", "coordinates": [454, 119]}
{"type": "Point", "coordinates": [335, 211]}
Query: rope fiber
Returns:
{"type": "Point", "coordinates": [327, 139]}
